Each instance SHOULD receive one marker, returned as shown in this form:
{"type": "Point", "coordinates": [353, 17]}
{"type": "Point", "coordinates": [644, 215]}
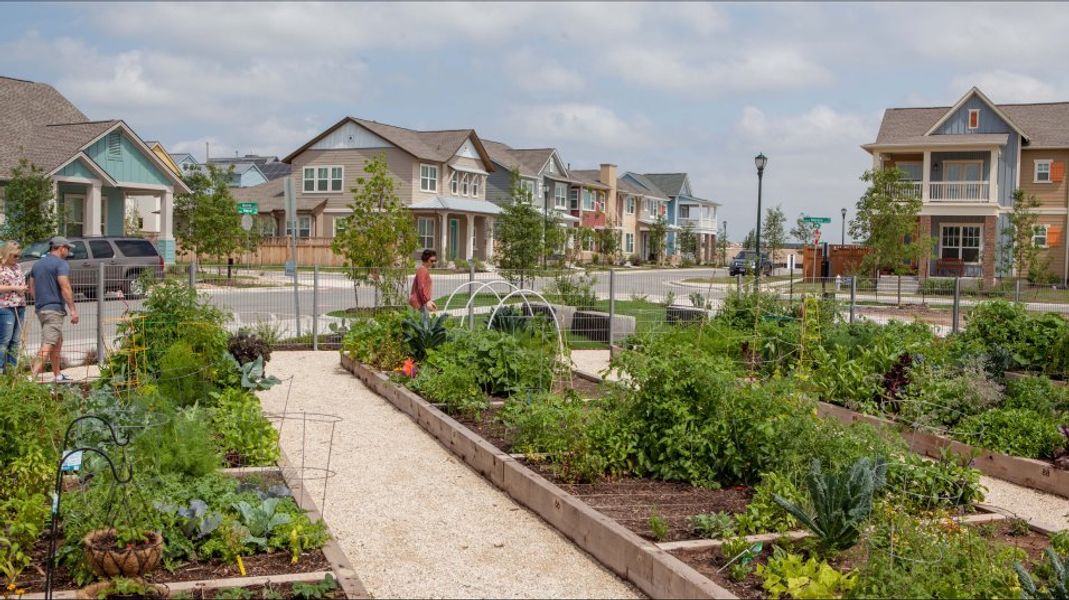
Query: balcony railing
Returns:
{"type": "Point", "coordinates": [959, 191]}
{"type": "Point", "coordinates": [709, 224]}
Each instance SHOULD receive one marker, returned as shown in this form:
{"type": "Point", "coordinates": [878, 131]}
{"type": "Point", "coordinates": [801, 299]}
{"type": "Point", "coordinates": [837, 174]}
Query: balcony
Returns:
{"type": "Point", "coordinates": [959, 191]}
{"type": "Point", "coordinates": [698, 224]}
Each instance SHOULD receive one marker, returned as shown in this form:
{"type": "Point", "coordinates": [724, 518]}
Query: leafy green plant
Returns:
{"type": "Point", "coordinates": [841, 501]}
{"type": "Point", "coordinates": [943, 395]}
{"type": "Point", "coordinates": [790, 575]}
{"type": "Point", "coordinates": [574, 289]}
{"type": "Point", "coordinates": [261, 520]}
{"type": "Point", "coordinates": [246, 347]}
{"type": "Point", "coordinates": [925, 485]}
{"type": "Point", "coordinates": [763, 514]}
{"type": "Point", "coordinates": [377, 341]}
{"type": "Point", "coordinates": [452, 384]}
{"type": "Point", "coordinates": [658, 525]}
{"type": "Point", "coordinates": [1036, 393]}
{"type": "Point", "coordinates": [1016, 431]}
{"type": "Point", "coordinates": [196, 521]}
{"type": "Point", "coordinates": [423, 333]}
{"type": "Point", "coordinates": [509, 319]}
{"type": "Point", "coordinates": [182, 445]}
{"type": "Point", "coordinates": [315, 591]}
{"type": "Point", "coordinates": [1060, 542]}
{"type": "Point", "coordinates": [123, 587]}
{"type": "Point", "coordinates": [253, 378]}
{"type": "Point", "coordinates": [245, 435]}
{"type": "Point", "coordinates": [1057, 587]}
{"type": "Point", "coordinates": [234, 594]}
{"type": "Point", "coordinates": [184, 376]}
{"type": "Point", "coordinates": [739, 556]}
{"type": "Point", "coordinates": [712, 525]}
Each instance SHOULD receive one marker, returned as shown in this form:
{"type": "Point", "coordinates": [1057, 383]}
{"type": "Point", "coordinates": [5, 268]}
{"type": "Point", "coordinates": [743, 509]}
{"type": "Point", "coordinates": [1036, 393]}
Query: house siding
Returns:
{"type": "Point", "coordinates": [1006, 170]}
{"type": "Point", "coordinates": [131, 167]}
{"type": "Point", "coordinates": [401, 166]}
{"type": "Point", "coordinates": [1050, 195]}
{"type": "Point", "coordinates": [76, 169]}
{"type": "Point", "coordinates": [499, 185]}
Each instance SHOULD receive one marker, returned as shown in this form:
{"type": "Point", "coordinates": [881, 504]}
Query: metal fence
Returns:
{"type": "Point", "coordinates": [593, 307]}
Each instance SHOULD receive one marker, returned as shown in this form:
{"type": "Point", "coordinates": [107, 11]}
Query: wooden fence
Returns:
{"type": "Point", "coordinates": [844, 260]}
{"type": "Point", "coordinates": [276, 251]}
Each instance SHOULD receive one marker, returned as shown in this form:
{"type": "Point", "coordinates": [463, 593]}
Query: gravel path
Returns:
{"type": "Point", "coordinates": [414, 521]}
{"type": "Point", "coordinates": [592, 361]}
{"type": "Point", "coordinates": [1042, 509]}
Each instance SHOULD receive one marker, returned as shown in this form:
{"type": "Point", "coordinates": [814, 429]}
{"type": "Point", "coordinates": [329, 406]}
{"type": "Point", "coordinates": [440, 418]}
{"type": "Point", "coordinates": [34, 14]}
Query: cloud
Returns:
{"type": "Point", "coordinates": [819, 128]}
{"type": "Point", "coordinates": [588, 124]}
{"type": "Point", "coordinates": [540, 74]}
{"type": "Point", "coordinates": [1007, 87]}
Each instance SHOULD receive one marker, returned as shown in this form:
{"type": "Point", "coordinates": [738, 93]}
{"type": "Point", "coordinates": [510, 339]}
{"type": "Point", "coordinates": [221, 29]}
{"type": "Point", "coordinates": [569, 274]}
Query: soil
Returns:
{"type": "Point", "coordinates": [285, 590]}
{"type": "Point", "coordinates": [910, 312]}
{"type": "Point", "coordinates": [708, 561]}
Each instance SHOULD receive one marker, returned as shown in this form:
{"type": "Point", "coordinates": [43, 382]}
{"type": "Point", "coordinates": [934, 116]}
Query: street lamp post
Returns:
{"type": "Point", "coordinates": [545, 226]}
{"type": "Point", "coordinates": [724, 245]}
{"type": "Point", "coordinates": [843, 240]}
{"type": "Point", "coordinates": [759, 161]}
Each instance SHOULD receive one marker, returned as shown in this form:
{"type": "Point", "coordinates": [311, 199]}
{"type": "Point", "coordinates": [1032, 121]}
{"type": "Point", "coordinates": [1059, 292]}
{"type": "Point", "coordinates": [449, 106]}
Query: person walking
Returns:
{"type": "Point", "coordinates": [50, 286]}
{"type": "Point", "coordinates": [12, 305]}
{"type": "Point", "coordinates": [420, 298]}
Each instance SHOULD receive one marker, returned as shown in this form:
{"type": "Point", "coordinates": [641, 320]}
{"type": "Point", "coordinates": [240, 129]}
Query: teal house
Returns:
{"type": "Point", "coordinates": [97, 167]}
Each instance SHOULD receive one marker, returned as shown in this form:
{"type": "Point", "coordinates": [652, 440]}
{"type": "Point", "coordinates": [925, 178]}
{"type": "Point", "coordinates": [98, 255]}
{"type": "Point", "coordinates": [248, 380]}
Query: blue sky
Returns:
{"type": "Point", "coordinates": [691, 87]}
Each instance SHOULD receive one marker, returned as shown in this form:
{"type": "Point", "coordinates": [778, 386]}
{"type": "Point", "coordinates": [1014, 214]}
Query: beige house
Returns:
{"type": "Point", "coordinates": [439, 175]}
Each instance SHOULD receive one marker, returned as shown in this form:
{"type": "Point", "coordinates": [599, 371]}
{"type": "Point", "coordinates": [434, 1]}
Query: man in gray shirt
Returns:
{"type": "Point", "coordinates": [50, 286]}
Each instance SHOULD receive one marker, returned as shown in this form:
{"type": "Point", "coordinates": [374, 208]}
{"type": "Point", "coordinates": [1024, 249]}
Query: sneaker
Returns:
{"type": "Point", "coordinates": [61, 378]}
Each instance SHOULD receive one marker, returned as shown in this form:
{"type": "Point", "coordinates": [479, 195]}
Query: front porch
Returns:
{"type": "Point", "coordinates": [962, 246]}
{"type": "Point", "coordinates": [93, 208]}
{"type": "Point", "coordinates": [968, 174]}
{"type": "Point", "coordinates": [456, 235]}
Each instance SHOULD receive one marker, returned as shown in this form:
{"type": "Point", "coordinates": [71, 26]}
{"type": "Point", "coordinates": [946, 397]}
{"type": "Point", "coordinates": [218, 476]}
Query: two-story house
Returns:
{"type": "Point", "coordinates": [267, 167]}
{"type": "Point", "coordinates": [542, 175]}
{"type": "Point", "coordinates": [439, 175]}
{"type": "Point", "coordinates": [685, 209]}
{"type": "Point", "coordinates": [589, 201]}
{"type": "Point", "coordinates": [95, 166]}
{"type": "Point", "coordinates": [653, 206]}
{"type": "Point", "coordinates": [965, 162]}
{"type": "Point", "coordinates": [245, 173]}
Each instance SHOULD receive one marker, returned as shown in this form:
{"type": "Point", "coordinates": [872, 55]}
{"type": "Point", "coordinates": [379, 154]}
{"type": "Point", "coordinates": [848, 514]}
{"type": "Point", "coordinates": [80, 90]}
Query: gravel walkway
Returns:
{"type": "Point", "coordinates": [592, 361]}
{"type": "Point", "coordinates": [1042, 509]}
{"type": "Point", "coordinates": [414, 521]}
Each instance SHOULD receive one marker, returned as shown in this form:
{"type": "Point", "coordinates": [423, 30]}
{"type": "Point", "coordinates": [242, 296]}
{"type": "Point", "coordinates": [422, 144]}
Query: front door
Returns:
{"type": "Point", "coordinates": [454, 237]}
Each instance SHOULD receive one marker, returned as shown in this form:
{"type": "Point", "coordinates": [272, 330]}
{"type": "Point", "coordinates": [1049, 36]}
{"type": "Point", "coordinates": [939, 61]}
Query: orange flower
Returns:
{"type": "Point", "coordinates": [409, 368]}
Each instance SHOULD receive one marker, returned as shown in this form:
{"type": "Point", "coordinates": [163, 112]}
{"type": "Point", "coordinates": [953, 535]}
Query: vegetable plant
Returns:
{"type": "Point", "coordinates": [422, 332]}
{"type": "Point", "coordinates": [253, 378]}
{"type": "Point", "coordinates": [261, 520]}
{"type": "Point", "coordinates": [790, 575]}
{"type": "Point", "coordinates": [315, 591]}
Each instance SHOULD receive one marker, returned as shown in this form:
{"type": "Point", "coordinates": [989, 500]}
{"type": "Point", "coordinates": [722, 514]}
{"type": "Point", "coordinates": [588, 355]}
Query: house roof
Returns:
{"type": "Point", "coordinates": [437, 146]}
{"type": "Point", "coordinates": [669, 183]}
{"type": "Point", "coordinates": [269, 196]}
{"type": "Point", "coordinates": [651, 188]}
{"type": "Point", "coordinates": [457, 204]}
{"type": "Point", "coordinates": [533, 158]}
{"type": "Point", "coordinates": [590, 177]}
{"type": "Point", "coordinates": [956, 139]}
{"type": "Point", "coordinates": [505, 156]}
{"type": "Point", "coordinates": [1046, 125]}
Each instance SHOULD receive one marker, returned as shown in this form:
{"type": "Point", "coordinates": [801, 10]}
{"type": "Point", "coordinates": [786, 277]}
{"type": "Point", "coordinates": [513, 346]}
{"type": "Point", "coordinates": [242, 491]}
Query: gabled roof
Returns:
{"type": "Point", "coordinates": [437, 146]}
{"type": "Point", "coordinates": [534, 159]}
{"type": "Point", "coordinates": [503, 155]}
{"type": "Point", "coordinates": [669, 183]}
{"type": "Point", "coordinates": [588, 177]}
{"type": "Point", "coordinates": [269, 166]}
{"type": "Point", "coordinates": [649, 188]}
{"type": "Point", "coordinates": [1045, 125]}
{"type": "Point", "coordinates": [975, 91]}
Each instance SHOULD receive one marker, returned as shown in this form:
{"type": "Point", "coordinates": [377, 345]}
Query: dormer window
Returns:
{"type": "Point", "coordinates": [974, 118]}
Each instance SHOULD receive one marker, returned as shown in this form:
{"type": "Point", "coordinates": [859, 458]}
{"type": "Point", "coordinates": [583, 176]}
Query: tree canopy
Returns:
{"type": "Point", "coordinates": [886, 222]}
{"type": "Point", "coordinates": [29, 214]}
{"type": "Point", "coordinates": [206, 220]}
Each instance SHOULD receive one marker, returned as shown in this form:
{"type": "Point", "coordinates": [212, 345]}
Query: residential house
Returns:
{"type": "Point", "coordinates": [541, 173]}
{"type": "Point", "coordinates": [588, 201]}
{"type": "Point", "coordinates": [652, 206]}
{"type": "Point", "coordinates": [95, 165]}
{"type": "Point", "coordinates": [440, 175]}
{"type": "Point", "coordinates": [246, 173]}
{"type": "Point", "coordinates": [145, 208]}
{"type": "Point", "coordinates": [685, 209]}
{"type": "Point", "coordinates": [965, 162]}
{"type": "Point", "coordinates": [186, 162]}
{"type": "Point", "coordinates": [267, 167]}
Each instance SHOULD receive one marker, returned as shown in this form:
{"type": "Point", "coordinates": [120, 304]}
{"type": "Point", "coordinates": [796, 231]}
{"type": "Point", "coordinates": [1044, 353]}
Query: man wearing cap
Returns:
{"type": "Point", "coordinates": [50, 286]}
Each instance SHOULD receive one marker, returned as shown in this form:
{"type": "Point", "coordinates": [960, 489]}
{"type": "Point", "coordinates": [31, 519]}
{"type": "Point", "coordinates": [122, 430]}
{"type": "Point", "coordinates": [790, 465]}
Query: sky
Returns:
{"type": "Point", "coordinates": [651, 87]}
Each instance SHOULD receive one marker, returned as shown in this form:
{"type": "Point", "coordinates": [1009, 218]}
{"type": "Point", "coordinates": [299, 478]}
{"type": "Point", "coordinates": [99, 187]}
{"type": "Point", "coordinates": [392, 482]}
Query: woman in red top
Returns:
{"type": "Point", "coordinates": [420, 298]}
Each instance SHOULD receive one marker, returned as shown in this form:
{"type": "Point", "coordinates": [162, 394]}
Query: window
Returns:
{"type": "Point", "coordinates": [428, 178]}
{"type": "Point", "coordinates": [974, 118]}
{"type": "Point", "coordinates": [550, 167]}
{"type": "Point", "coordinates": [464, 184]}
{"type": "Point", "coordinates": [629, 205]}
{"type": "Point", "coordinates": [265, 225]}
{"type": "Point", "coordinates": [573, 196]}
{"type": "Point", "coordinates": [425, 230]}
{"type": "Point", "coordinates": [78, 251]}
{"type": "Point", "coordinates": [135, 248]}
{"type": "Point", "coordinates": [912, 170]}
{"type": "Point", "coordinates": [1042, 172]}
{"type": "Point", "coordinates": [560, 195]}
{"type": "Point", "coordinates": [454, 183]}
{"type": "Point", "coordinates": [629, 243]}
{"type": "Point", "coordinates": [684, 211]}
{"type": "Point", "coordinates": [588, 200]}
{"type": "Point", "coordinates": [528, 188]}
{"type": "Point", "coordinates": [961, 170]}
{"type": "Point", "coordinates": [304, 226]}
{"type": "Point", "coordinates": [960, 241]}
{"type": "Point", "coordinates": [1039, 236]}
{"type": "Point", "coordinates": [340, 225]}
{"type": "Point", "coordinates": [475, 180]}
{"type": "Point", "coordinates": [101, 249]}
{"type": "Point", "coordinates": [322, 179]}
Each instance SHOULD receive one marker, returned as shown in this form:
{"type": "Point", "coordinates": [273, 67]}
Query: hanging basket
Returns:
{"type": "Point", "coordinates": [106, 559]}
{"type": "Point", "coordinates": [103, 588]}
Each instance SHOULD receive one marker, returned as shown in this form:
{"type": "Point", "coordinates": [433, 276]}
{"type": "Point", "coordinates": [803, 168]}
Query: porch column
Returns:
{"type": "Point", "coordinates": [489, 239]}
{"type": "Point", "coordinates": [989, 239]}
{"type": "Point", "coordinates": [444, 238]}
{"type": "Point", "coordinates": [992, 176]}
{"type": "Point", "coordinates": [877, 160]}
{"type": "Point", "coordinates": [924, 233]}
{"type": "Point", "coordinates": [165, 243]}
{"type": "Point", "coordinates": [94, 210]}
{"type": "Point", "coordinates": [469, 242]}
{"type": "Point", "coordinates": [926, 175]}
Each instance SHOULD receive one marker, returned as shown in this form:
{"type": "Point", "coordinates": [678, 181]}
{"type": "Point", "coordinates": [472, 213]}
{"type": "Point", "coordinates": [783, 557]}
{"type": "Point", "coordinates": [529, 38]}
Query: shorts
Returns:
{"type": "Point", "coordinates": [51, 327]}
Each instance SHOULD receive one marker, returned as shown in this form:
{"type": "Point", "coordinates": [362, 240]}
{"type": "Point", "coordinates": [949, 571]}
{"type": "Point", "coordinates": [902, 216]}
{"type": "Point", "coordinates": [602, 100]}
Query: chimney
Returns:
{"type": "Point", "coordinates": [607, 176]}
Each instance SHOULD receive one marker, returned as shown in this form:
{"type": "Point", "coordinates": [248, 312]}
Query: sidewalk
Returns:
{"type": "Point", "coordinates": [414, 521]}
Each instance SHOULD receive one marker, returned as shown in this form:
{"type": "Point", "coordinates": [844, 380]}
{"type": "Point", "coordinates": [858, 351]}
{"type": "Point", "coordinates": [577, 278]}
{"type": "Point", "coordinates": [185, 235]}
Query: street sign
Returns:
{"type": "Point", "coordinates": [816, 219]}
{"type": "Point", "coordinates": [247, 208]}
{"type": "Point", "coordinates": [246, 221]}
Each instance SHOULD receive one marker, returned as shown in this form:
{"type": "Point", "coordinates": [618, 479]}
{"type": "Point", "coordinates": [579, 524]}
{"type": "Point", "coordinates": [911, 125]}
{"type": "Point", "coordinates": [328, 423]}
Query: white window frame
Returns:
{"type": "Point", "coordinates": [588, 199]}
{"type": "Point", "coordinates": [920, 168]}
{"type": "Point", "coordinates": [968, 123]}
{"type": "Point", "coordinates": [328, 181]}
{"type": "Point", "coordinates": [1045, 236]}
{"type": "Point", "coordinates": [528, 186]}
{"type": "Point", "coordinates": [573, 198]}
{"type": "Point", "coordinates": [475, 181]}
{"type": "Point", "coordinates": [423, 223]}
{"type": "Point", "coordinates": [465, 183]}
{"type": "Point", "coordinates": [629, 205]}
{"type": "Point", "coordinates": [300, 226]}
{"type": "Point", "coordinates": [428, 178]}
{"type": "Point", "coordinates": [454, 183]}
{"type": "Point", "coordinates": [963, 163]}
{"type": "Point", "coordinates": [961, 236]}
{"type": "Point", "coordinates": [560, 195]}
{"type": "Point", "coordinates": [629, 243]}
{"type": "Point", "coordinates": [1045, 162]}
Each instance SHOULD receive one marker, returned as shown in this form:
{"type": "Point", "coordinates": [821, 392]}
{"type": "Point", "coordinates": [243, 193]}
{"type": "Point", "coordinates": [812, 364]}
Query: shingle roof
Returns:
{"type": "Point", "coordinates": [1047, 125]}
{"type": "Point", "coordinates": [651, 188]}
{"type": "Point", "coordinates": [270, 166]}
{"type": "Point", "coordinates": [39, 124]}
{"type": "Point", "coordinates": [269, 196]}
{"type": "Point", "coordinates": [669, 183]}
{"type": "Point", "coordinates": [533, 158]}
{"type": "Point", "coordinates": [503, 155]}
{"type": "Point", "coordinates": [591, 177]}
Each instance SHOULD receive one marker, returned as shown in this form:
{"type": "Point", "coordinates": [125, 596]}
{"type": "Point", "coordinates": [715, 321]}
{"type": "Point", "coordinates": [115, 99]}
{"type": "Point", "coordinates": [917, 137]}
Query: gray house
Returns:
{"type": "Point", "coordinates": [542, 174]}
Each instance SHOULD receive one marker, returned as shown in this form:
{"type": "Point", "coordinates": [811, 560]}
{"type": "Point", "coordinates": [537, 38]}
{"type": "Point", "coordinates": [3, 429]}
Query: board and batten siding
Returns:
{"type": "Point", "coordinates": [76, 169]}
{"type": "Point", "coordinates": [132, 165]}
{"type": "Point", "coordinates": [401, 165]}
{"type": "Point", "coordinates": [1006, 170]}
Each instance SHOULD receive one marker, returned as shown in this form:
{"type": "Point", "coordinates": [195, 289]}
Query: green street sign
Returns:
{"type": "Point", "coordinates": [817, 219]}
{"type": "Point", "coordinates": [250, 208]}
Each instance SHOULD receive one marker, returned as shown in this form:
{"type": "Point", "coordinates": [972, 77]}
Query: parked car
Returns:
{"type": "Point", "coordinates": [124, 260]}
{"type": "Point", "coordinates": [744, 262]}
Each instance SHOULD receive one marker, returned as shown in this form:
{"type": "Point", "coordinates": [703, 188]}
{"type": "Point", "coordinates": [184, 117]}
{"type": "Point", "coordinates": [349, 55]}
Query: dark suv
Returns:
{"type": "Point", "coordinates": [744, 262]}
{"type": "Point", "coordinates": [124, 260]}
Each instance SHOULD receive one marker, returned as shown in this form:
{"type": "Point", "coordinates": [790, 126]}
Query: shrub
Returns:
{"type": "Point", "coordinates": [246, 347]}
{"type": "Point", "coordinates": [452, 384]}
{"type": "Point", "coordinates": [1017, 431]}
{"type": "Point", "coordinates": [184, 445]}
{"type": "Point", "coordinates": [943, 396]}
{"type": "Point", "coordinates": [1036, 393]}
{"type": "Point", "coordinates": [377, 341]}
{"type": "Point", "coordinates": [1029, 338]}
{"type": "Point", "coordinates": [574, 290]}
{"type": "Point", "coordinates": [245, 435]}
{"type": "Point", "coordinates": [184, 375]}
{"type": "Point", "coordinates": [32, 424]}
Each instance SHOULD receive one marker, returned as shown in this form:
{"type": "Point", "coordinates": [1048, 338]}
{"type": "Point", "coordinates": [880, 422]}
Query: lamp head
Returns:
{"type": "Point", "coordinates": [760, 161]}
{"type": "Point", "coordinates": [843, 212]}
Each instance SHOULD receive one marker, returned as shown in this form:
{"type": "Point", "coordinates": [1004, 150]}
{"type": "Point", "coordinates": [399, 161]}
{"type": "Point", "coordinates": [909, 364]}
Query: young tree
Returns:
{"type": "Point", "coordinates": [380, 237]}
{"type": "Point", "coordinates": [886, 217]}
{"type": "Point", "coordinates": [608, 242]}
{"type": "Point", "coordinates": [206, 220]}
{"type": "Point", "coordinates": [29, 214]}
{"type": "Point", "coordinates": [803, 231]}
{"type": "Point", "coordinates": [688, 241]}
{"type": "Point", "coordinates": [773, 233]}
{"type": "Point", "coordinates": [132, 222]}
{"type": "Point", "coordinates": [750, 241]}
{"type": "Point", "coordinates": [658, 236]}
{"type": "Point", "coordinates": [1017, 236]}
{"type": "Point", "coordinates": [722, 245]}
{"type": "Point", "coordinates": [520, 234]}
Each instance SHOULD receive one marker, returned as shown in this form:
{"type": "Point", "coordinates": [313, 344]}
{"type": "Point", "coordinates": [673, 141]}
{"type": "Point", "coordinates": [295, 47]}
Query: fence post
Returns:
{"type": "Point", "coordinates": [193, 272]}
{"type": "Point", "coordinates": [899, 291]}
{"type": "Point", "coordinates": [738, 284]}
{"type": "Point", "coordinates": [296, 298]}
{"type": "Point", "coordinates": [100, 315]}
{"type": "Point", "coordinates": [956, 311]}
{"type": "Point", "coordinates": [612, 309]}
{"type": "Point", "coordinates": [1017, 290]}
{"type": "Point", "coordinates": [471, 289]}
{"type": "Point", "coordinates": [315, 306]}
{"type": "Point", "coordinates": [853, 296]}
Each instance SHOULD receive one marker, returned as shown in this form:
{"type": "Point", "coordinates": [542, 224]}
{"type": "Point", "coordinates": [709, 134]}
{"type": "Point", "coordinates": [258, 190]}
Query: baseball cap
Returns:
{"type": "Point", "coordinates": [59, 241]}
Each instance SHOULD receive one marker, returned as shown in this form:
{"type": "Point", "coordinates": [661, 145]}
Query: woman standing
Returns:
{"type": "Point", "coordinates": [12, 304]}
